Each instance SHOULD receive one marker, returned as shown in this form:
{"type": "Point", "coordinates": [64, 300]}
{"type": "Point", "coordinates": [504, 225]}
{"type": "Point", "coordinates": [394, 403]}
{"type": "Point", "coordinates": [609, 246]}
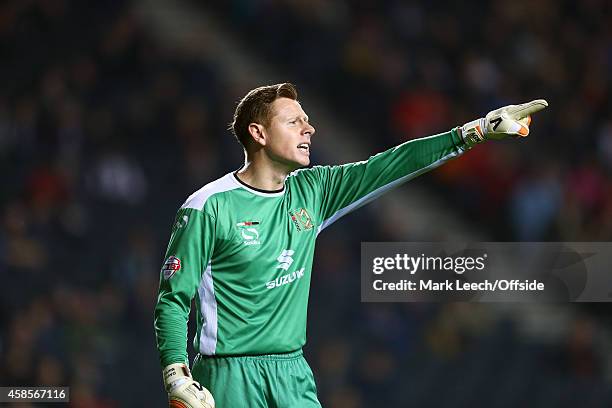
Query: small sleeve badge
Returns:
{"type": "Point", "coordinates": [171, 266]}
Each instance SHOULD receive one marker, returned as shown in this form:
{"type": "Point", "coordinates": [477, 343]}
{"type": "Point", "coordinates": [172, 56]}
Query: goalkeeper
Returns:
{"type": "Point", "coordinates": [243, 246]}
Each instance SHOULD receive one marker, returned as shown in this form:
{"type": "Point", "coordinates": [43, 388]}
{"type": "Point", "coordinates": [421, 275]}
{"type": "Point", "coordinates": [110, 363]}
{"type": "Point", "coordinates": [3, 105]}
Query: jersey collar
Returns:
{"type": "Point", "coordinates": [257, 191]}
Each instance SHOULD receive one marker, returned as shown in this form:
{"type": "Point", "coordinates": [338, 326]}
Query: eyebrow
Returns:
{"type": "Point", "coordinates": [305, 117]}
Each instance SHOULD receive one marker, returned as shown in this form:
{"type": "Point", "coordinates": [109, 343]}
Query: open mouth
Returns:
{"type": "Point", "coordinates": [305, 147]}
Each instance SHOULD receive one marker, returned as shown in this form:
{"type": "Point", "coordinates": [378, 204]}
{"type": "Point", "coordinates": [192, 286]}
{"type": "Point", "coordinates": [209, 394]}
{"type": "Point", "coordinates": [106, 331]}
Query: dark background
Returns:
{"type": "Point", "coordinates": [112, 113]}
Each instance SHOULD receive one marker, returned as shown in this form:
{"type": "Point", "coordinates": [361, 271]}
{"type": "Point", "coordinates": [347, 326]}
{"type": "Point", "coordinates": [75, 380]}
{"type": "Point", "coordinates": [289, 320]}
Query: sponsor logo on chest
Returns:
{"type": "Point", "coordinates": [285, 259]}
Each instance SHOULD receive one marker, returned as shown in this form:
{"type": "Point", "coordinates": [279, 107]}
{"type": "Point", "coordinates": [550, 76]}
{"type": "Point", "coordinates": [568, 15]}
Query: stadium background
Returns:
{"type": "Point", "coordinates": [112, 112]}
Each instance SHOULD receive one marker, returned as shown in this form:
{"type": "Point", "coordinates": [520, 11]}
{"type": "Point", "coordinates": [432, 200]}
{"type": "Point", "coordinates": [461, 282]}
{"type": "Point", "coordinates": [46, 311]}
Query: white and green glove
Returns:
{"type": "Point", "coordinates": [183, 390]}
{"type": "Point", "coordinates": [511, 120]}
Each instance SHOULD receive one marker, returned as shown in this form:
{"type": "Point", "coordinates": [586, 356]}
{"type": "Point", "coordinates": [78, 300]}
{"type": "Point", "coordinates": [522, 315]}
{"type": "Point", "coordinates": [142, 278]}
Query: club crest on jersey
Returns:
{"type": "Point", "coordinates": [249, 232]}
{"type": "Point", "coordinates": [171, 266]}
{"type": "Point", "coordinates": [301, 219]}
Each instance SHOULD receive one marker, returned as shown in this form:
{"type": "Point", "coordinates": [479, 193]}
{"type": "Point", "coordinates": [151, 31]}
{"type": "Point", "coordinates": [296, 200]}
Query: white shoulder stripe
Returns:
{"type": "Point", "coordinates": [199, 198]}
{"type": "Point", "coordinates": [378, 192]}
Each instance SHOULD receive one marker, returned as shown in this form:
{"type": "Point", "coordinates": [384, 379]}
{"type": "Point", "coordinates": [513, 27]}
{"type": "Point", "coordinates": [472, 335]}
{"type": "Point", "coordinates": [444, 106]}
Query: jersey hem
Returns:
{"type": "Point", "coordinates": [273, 356]}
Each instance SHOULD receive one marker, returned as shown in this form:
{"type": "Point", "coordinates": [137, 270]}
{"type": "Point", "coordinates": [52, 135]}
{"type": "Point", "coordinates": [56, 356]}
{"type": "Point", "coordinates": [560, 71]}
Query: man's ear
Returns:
{"type": "Point", "coordinates": [257, 133]}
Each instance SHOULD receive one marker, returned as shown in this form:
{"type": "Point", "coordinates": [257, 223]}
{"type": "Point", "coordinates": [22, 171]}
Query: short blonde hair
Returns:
{"type": "Point", "coordinates": [255, 108]}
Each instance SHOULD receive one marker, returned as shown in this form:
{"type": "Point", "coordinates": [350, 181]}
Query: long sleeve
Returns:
{"type": "Point", "coordinates": [345, 188]}
{"type": "Point", "coordinates": [189, 252]}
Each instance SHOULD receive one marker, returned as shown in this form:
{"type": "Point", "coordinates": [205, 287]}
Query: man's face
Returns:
{"type": "Point", "coordinates": [288, 134]}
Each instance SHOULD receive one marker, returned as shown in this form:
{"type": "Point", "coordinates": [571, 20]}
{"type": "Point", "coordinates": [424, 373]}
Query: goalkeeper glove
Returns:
{"type": "Point", "coordinates": [183, 390]}
{"type": "Point", "coordinates": [511, 120]}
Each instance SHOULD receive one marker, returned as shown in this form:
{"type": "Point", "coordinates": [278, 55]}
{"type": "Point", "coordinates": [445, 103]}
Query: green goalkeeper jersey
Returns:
{"type": "Point", "coordinates": [246, 255]}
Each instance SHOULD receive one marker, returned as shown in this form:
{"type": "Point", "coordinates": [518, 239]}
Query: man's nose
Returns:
{"type": "Point", "coordinates": [309, 129]}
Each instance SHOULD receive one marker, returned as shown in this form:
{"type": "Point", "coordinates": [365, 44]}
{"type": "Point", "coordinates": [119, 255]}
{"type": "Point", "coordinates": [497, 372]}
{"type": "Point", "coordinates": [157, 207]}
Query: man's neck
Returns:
{"type": "Point", "coordinates": [262, 176]}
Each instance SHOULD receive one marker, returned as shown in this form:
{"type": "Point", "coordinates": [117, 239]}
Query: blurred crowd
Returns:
{"type": "Point", "coordinates": [403, 69]}
{"type": "Point", "coordinates": [104, 132]}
